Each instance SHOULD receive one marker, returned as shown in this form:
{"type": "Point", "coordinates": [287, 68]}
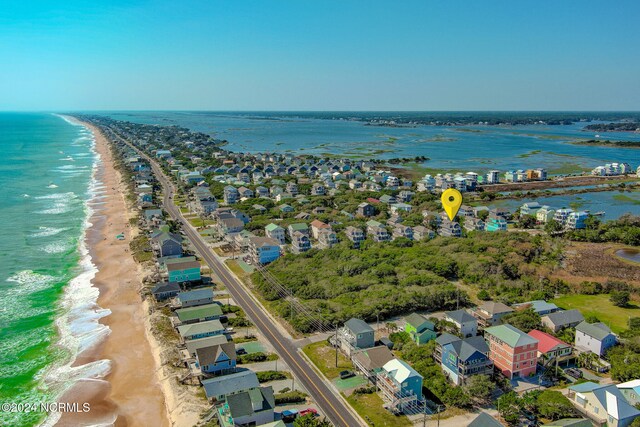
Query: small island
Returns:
{"type": "Point", "coordinates": [608, 143]}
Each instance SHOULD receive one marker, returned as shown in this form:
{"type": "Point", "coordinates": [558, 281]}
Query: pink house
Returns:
{"type": "Point", "coordinates": [512, 351]}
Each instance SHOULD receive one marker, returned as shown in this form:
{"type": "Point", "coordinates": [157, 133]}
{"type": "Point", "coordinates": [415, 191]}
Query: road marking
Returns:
{"type": "Point", "coordinates": [176, 213]}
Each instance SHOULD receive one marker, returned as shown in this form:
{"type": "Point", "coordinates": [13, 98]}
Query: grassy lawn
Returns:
{"type": "Point", "coordinates": [369, 406]}
{"type": "Point", "coordinates": [233, 266]}
{"type": "Point", "coordinates": [324, 357]}
{"type": "Point", "coordinates": [616, 318]}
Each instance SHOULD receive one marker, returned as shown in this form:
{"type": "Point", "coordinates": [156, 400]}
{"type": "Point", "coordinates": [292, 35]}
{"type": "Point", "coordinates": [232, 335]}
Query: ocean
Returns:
{"type": "Point", "coordinates": [48, 311]}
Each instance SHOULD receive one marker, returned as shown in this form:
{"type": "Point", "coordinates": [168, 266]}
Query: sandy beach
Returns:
{"type": "Point", "coordinates": [130, 395]}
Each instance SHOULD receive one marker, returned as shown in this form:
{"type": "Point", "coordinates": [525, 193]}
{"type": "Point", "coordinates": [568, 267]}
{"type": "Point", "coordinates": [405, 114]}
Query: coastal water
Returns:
{"type": "Point", "coordinates": [458, 148]}
{"type": "Point", "coordinates": [47, 305]}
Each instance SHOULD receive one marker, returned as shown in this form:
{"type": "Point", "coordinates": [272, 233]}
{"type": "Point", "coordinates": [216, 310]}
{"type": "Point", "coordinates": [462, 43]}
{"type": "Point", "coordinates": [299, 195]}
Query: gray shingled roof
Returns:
{"type": "Point", "coordinates": [596, 330]}
{"type": "Point", "coordinates": [446, 338]}
{"type": "Point", "coordinates": [232, 383]}
{"type": "Point", "coordinates": [460, 316]}
{"type": "Point", "coordinates": [484, 420]}
{"type": "Point", "coordinates": [358, 326]}
{"type": "Point", "coordinates": [242, 404]}
{"type": "Point", "coordinates": [166, 287]}
{"type": "Point", "coordinates": [209, 355]}
{"type": "Point", "coordinates": [560, 318]}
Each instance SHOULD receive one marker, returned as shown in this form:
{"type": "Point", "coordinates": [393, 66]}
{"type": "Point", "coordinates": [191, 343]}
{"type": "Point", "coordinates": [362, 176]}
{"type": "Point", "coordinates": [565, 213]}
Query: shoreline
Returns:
{"type": "Point", "coordinates": [130, 394]}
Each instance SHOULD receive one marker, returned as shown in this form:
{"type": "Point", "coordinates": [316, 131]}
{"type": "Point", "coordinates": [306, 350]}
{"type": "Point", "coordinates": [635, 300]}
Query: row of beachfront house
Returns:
{"type": "Point", "coordinates": [205, 345]}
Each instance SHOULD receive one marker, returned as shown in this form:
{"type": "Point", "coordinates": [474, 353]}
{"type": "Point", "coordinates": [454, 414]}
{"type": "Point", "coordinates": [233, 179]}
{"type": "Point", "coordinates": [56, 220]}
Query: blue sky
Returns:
{"type": "Point", "coordinates": [319, 55]}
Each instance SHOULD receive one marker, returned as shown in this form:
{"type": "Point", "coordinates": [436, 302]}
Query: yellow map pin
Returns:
{"type": "Point", "coordinates": [451, 201]}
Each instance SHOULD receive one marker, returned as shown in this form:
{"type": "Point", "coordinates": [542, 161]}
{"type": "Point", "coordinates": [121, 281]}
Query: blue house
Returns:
{"type": "Point", "coordinates": [463, 358]}
{"type": "Point", "coordinates": [400, 384]}
{"type": "Point", "coordinates": [217, 359]}
{"type": "Point", "coordinates": [264, 249]}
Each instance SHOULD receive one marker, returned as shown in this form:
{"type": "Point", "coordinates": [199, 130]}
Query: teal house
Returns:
{"type": "Point", "coordinates": [185, 269]}
{"type": "Point", "coordinates": [495, 223]}
{"type": "Point", "coordinates": [420, 329]}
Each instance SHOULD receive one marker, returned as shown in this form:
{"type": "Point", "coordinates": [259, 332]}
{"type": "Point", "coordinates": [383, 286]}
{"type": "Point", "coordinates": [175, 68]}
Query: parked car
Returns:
{"type": "Point", "coordinates": [289, 415]}
{"type": "Point", "coordinates": [346, 374]}
{"type": "Point", "coordinates": [308, 411]}
{"type": "Point", "coordinates": [240, 351]}
{"type": "Point", "coordinates": [573, 372]}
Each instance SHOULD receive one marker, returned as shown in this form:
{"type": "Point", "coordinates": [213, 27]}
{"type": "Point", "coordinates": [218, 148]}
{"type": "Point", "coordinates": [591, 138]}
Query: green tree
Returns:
{"type": "Point", "coordinates": [484, 295]}
{"type": "Point", "coordinates": [310, 420]}
{"type": "Point", "coordinates": [456, 396]}
{"type": "Point", "coordinates": [480, 387]}
{"type": "Point", "coordinates": [552, 226]}
{"type": "Point", "coordinates": [554, 405]}
{"type": "Point", "coordinates": [509, 407]}
{"type": "Point", "coordinates": [620, 299]}
{"type": "Point", "coordinates": [525, 320]}
{"type": "Point", "coordinates": [526, 221]}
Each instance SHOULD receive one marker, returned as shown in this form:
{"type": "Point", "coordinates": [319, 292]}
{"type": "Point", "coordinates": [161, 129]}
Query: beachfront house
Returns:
{"type": "Point", "coordinates": [185, 269]}
{"type": "Point", "coordinates": [165, 290]}
{"type": "Point", "coordinates": [200, 313]}
{"type": "Point", "coordinates": [192, 345]}
{"type": "Point", "coordinates": [594, 337]}
{"type": "Point", "coordinates": [216, 359]}
{"type": "Point", "coordinates": [219, 388]}
{"type": "Point", "coordinates": [166, 244]}
{"type": "Point", "coordinates": [512, 351]}
{"type": "Point", "coordinates": [192, 331]}
{"type": "Point", "coordinates": [195, 297]}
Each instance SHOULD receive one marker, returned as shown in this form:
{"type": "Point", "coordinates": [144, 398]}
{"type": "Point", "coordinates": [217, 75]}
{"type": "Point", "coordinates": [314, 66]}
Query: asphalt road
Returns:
{"type": "Point", "coordinates": [334, 407]}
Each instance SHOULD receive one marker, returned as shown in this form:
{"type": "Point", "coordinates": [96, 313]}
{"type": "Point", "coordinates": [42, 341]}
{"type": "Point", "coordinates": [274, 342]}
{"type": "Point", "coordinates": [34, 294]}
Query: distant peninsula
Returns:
{"type": "Point", "coordinates": [614, 127]}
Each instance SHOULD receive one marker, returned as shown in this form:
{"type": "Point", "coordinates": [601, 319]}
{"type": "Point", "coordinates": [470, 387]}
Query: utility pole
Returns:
{"type": "Point", "coordinates": [335, 343]}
